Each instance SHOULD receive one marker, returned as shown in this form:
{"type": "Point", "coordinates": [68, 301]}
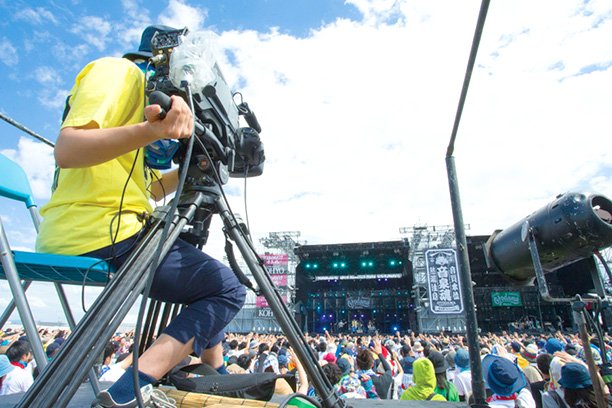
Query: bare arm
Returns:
{"type": "Point", "coordinates": [166, 185]}
{"type": "Point", "coordinates": [303, 378]}
{"type": "Point", "coordinates": [89, 145]}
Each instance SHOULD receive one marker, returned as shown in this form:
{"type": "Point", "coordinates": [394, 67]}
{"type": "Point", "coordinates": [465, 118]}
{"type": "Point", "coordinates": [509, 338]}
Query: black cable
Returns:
{"type": "Point", "coordinates": [160, 184]}
{"type": "Point", "coordinates": [155, 262]}
{"type": "Point", "coordinates": [109, 259]}
{"type": "Point", "coordinates": [89, 268]}
{"type": "Point", "coordinates": [246, 208]}
{"type": "Point", "coordinates": [127, 181]}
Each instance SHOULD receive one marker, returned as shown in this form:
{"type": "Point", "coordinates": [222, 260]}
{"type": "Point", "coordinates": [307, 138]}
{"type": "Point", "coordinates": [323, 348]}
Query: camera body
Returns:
{"type": "Point", "coordinates": [238, 149]}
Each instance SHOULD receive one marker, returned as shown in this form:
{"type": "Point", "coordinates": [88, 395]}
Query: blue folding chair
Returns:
{"type": "Point", "coordinates": [20, 268]}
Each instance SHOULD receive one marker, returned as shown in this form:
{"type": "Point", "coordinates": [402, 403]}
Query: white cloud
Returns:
{"type": "Point", "coordinates": [359, 114]}
{"type": "Point", "coordinates": [38, 163]}
{"type": "Point", "coordinates": [10, 55]}
{"type": "Point", "coordinates": [179, 14]}
{"type": "Point", "coordinates": [39, 15]}
{"type": "Point", "coordinates": [136, 19]}
{"type": "Point", "coordinates": [46, 76]}
{"type": "Point", "coordinates": [94, 30]}
{"type": "Point", "coordinates": [54, 98]}
{"type": "Point", "coordinates": [70, 54]}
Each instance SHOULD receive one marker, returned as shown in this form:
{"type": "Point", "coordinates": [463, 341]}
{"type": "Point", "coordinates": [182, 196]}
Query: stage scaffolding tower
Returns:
{"type": "Point", "coordinates": [259, 318]}
{"type": "Point", "coordinates": [285, 242]}
{"type": "Point", "coordinates": [421, 239]}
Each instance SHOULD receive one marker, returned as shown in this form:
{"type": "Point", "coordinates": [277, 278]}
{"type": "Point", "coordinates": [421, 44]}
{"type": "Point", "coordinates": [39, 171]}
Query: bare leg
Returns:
{"type": "Point", "coordinates": [213, 356]}
{"type": "Point", "coordinates": [163, 355]}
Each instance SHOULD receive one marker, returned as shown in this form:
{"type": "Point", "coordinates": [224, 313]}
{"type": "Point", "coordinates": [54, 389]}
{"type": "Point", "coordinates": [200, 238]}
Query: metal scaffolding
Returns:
{"type": "Point", "coordinates": [423, 238]}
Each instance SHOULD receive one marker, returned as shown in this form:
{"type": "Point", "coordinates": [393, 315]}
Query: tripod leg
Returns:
{"type": "Point", "coordinates": [285, 319]}
{"type": "Point", "coordinates": [58, 383]}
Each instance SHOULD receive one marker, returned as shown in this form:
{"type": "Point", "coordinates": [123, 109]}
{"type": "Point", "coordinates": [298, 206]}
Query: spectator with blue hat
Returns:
{"type": "Point", "coordinates": [463, 374]}
{"type": "Point", "coordinates": [576, 381]}
{"type": "Point", "coordinates": [553, 345]}
{"type": "Point", "coordinates": [507, 383]}
{"type": "Point", "coordinates": [5, 368]}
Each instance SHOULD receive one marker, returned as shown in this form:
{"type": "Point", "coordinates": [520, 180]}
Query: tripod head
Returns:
{"type": "Point", "coordinates": [188, 62]}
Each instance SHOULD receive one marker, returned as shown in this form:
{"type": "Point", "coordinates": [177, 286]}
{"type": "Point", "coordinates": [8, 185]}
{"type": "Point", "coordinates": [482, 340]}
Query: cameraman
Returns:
{"type": "Point", "coordinates": [101, 194]}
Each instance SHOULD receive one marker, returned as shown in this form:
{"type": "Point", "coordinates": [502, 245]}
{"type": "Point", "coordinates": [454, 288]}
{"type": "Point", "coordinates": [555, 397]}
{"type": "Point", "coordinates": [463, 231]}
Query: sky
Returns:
{"type": "Point", "coordinates": [356, 100]}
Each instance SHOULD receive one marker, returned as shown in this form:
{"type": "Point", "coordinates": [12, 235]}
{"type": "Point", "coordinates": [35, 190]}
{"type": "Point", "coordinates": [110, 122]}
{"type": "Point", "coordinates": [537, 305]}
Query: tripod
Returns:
{"type": "Point", "coordinates": [60, 380]}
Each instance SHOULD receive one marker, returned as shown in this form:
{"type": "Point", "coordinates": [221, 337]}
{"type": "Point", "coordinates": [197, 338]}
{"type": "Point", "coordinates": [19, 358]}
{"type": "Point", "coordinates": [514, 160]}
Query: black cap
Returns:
{"type": "Point", "coordinates": [144, 50]}
{"type": "Point", "coordinates": [438, 361]}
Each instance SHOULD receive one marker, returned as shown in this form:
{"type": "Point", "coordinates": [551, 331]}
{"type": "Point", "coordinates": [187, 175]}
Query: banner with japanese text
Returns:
{"type": "Point", "coordinates": [445, 295]}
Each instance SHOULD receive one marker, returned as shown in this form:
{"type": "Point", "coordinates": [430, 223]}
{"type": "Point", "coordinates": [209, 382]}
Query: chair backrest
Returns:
{"type": "Point", "coordinates": [14, 183]}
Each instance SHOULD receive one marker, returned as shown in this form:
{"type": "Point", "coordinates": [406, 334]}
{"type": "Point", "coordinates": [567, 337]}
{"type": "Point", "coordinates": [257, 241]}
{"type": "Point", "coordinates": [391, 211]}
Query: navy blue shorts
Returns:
{"type": "Point", "coordinates": [188, 276]}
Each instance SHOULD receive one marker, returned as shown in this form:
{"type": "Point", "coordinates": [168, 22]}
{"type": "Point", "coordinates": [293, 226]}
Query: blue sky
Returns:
{"type": "Point", "coordinates": [356, 100]}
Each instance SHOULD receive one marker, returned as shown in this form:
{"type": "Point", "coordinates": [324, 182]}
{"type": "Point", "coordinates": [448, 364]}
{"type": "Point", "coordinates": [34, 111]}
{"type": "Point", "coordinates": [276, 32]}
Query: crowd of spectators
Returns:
{"type": "Point", "coordinates": [519, 369]}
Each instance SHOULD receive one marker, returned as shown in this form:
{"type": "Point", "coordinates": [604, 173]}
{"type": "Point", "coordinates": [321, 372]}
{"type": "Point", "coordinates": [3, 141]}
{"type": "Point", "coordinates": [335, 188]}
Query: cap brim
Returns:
{"type": "Point", "coordinates": [137, 55]}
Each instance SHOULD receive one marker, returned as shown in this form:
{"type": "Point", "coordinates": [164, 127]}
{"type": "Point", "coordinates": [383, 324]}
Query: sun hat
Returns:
{"type": "Point", "coordinates": [571, 349]}
{"type": "Point", "coordinates": [462, 358]}
{"type": "Point", "coordinates": [553, 345]}
{"type": "Point", "coordinates": [283, 361]}
{"type": "Point", "coordinates": [438, 361]}
{"type": "Point", "coordinates": [52, 348]}
{"type": "Point", "coordinates": [516, 346]}
{"type": "Point", "coordinates": [530, 353]}
{"type": "Point", "coordinates": [417, 346]}
{"type": "Point", "coordinates": [575, 376]}
{"type": "Point", "coordinates": [502, 376]}
{"type": "Point", "coordinates": [5, 366]}
{"type": "Point", "coordinates": [144, 50]}
{"type": "Point", "coordinates": [344, 365]}
{"type": "Point", "coordinates": [329, 357]}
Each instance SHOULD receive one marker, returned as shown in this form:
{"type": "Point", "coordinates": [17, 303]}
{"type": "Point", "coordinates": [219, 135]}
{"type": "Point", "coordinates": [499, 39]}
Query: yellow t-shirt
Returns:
{"type": "Point", "coordinates": [77, 219]}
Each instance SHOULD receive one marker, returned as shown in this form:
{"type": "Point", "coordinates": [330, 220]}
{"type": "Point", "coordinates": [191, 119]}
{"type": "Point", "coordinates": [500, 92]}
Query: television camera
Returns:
{"type": "Point", "coordinates": [186, 66]}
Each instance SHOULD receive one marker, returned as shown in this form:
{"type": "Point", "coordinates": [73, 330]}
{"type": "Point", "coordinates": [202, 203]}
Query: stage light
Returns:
{"type": "Point", "coordinates": [335, 265]}
{"type": "Point", "coordinates": [343, 265]}
{"type": "Point", "coordinates": [394, 328]}
{"type": "Point", "coordinates": [566, 230]}
{"type": "Point", "coordinates": [364, 264]}
{"type": "Point", "coordinates": [370, 263]}
{"type": "Point", "coordinates": [392, 262]}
